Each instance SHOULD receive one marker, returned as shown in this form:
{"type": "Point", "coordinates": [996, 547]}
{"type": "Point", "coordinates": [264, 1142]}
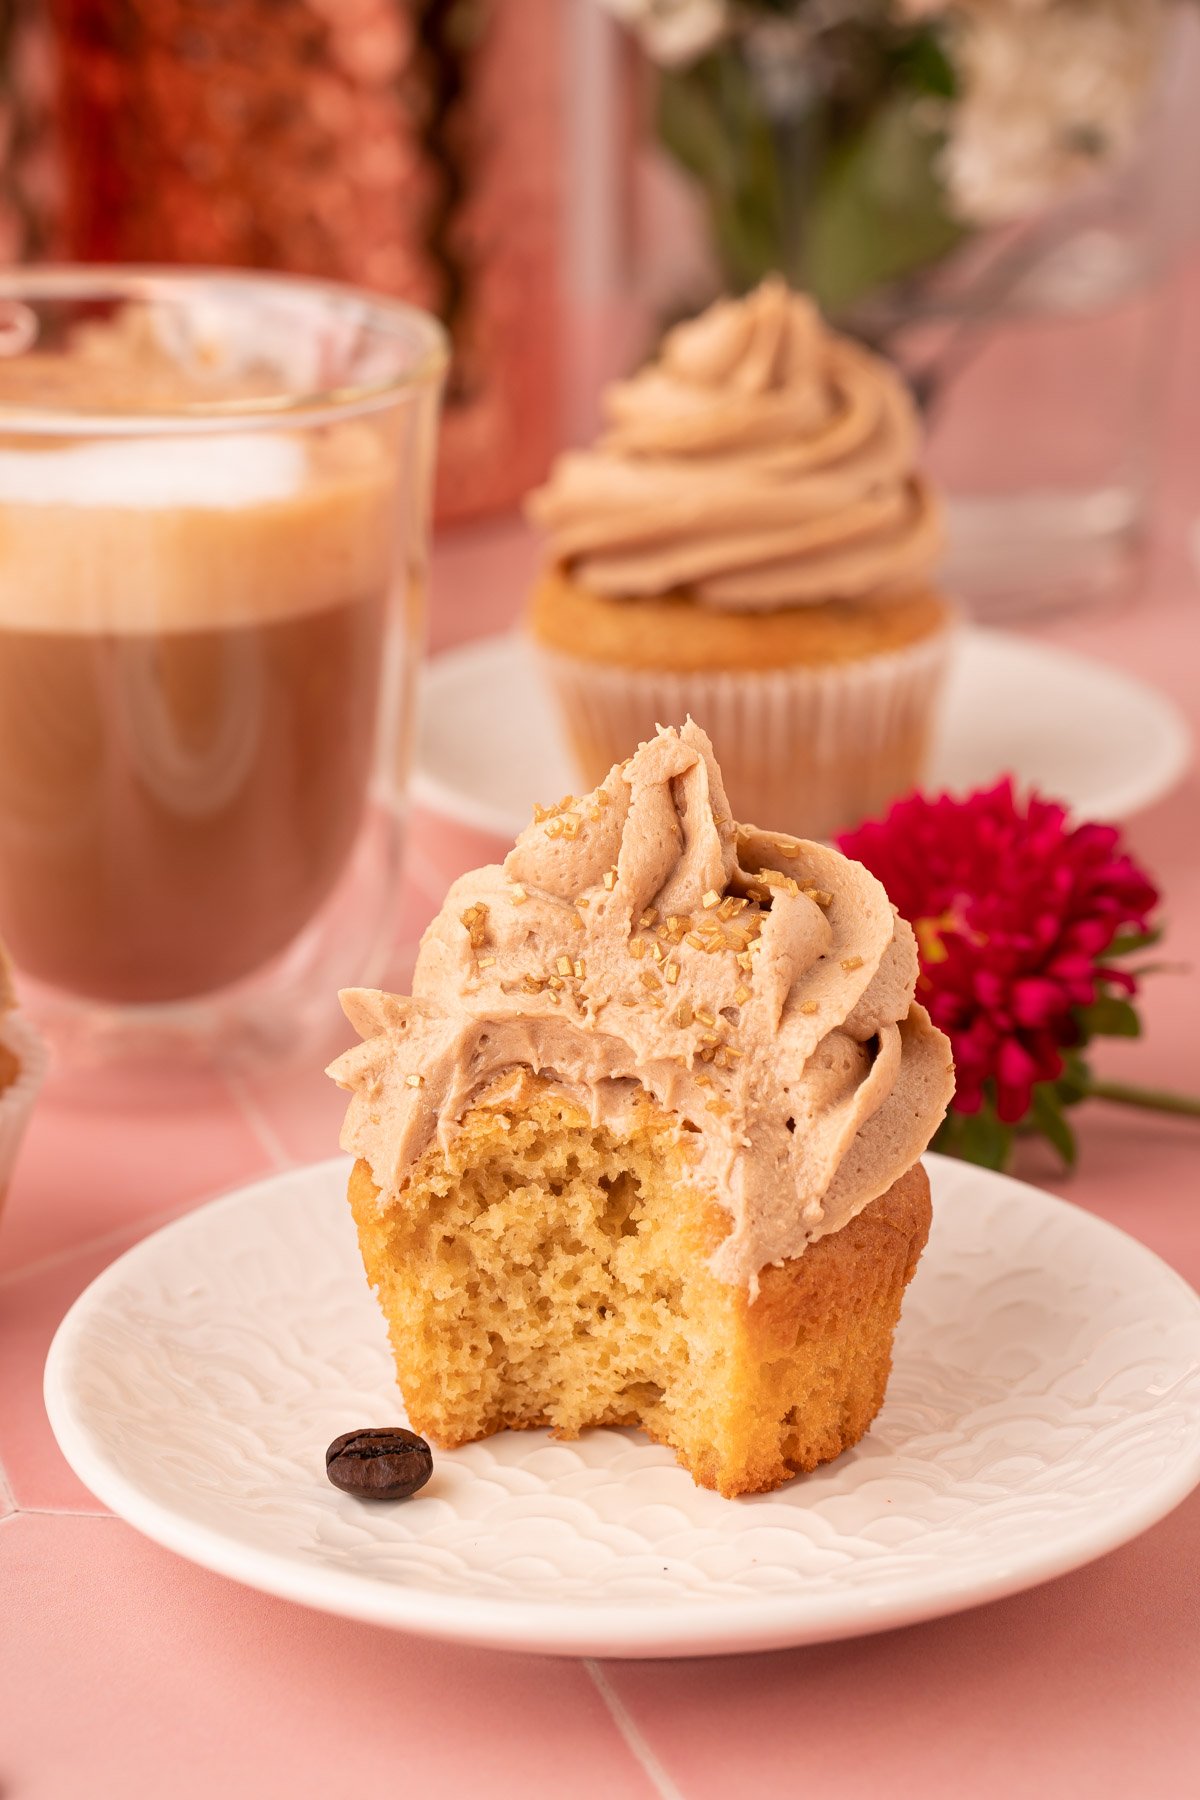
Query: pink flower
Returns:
{"type": "Point", "coordinates": [1014, 909]}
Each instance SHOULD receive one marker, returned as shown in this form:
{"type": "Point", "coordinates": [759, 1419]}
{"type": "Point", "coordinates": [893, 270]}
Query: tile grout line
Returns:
{"type": "Point", "coordinates": [639, 1749]}
{"type": "Point", "coordinates": [42, 1264]}
{"type": "Point", "coordinates": [257, 1120]}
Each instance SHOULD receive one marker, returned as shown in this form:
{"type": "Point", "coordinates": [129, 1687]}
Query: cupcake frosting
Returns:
{"type": "Point", "coordinates": [762, 461]}
{"type": "Point", "coordinates": [758, 987]}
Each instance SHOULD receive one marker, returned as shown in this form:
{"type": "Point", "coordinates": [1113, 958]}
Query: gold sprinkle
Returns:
{"type": "Point", "coordinates": [704, 1017]}
{"type": "Point", "coordinates": [579, 923]}
{"type": "Point", "coordinates": [704, 1081]}
{"type": "Point", "coordinates": [648, 917]}
{"type": "Point", "coordinates": [580, 970]}
{"type": "Point", "coordinates": [745, 960]}
{"type": "Point", "coordinates": [563, 965]}
{"type": "Point", "coordinates": [601, 797]}
{"type": "Point", "coordinates": [637, 947]}
{"type": "Point", "coordinates": [672, 973]}
{"type": "Point", "coordinates": [821, 896]}
{"type": "Point", "coordinates": [414, 1080]}
{"type": "Point", "coordinates": [583, 900]}
{"type": "Point", "coordinates": [555, 982]}
{"type": "Point", "coordinates": [712, 898]}
{"type": "Point", "coordinates": [571, 826]}
{"type": "Point", "coordinates": [742, 994]}
{"type": "Point", "coordinates": [755, 894]}
{"type": "Point", "coordinates": [567, 801]}
{"type": "Point", "coordinates": [475, 920]}
{"type": "Point", "coordinates": [808, 1006]}
{"type": "Point", "coordinates": [850, 963]}
{"type": "Point", "coordinates": [695, 940]}
{"type": "Point", "coordinates": [541, 813]}
{"type": "Point", "coordinates": [485, 962]}
{"type": "Point", "coordinates": [684, 1014]}
{"type": "Point", "coordinates": [651, 981]}
{"type": "Point", "coordinates": [656, 951]}
{"type": "Point", "coordinates": [554, 828]}
{"type": "Point", "coordinates": [519, 896]}
{"type": "Point", "coordinates": [593, 813]}
{"type": "Point", "coordinates": [610, 879]}
{"type": "Point", "coordinates": [719, 1107]}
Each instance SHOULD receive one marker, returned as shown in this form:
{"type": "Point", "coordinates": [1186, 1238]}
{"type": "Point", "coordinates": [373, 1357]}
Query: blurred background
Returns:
{"type": "Point", "coordinates": [996, 192]}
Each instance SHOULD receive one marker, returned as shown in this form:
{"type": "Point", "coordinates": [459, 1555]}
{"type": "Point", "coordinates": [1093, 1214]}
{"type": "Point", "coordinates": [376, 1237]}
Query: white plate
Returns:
{"type": "Point", "coordinates": [489, 746]}
{"type": "Point", "coordinates": [1045, 1407]}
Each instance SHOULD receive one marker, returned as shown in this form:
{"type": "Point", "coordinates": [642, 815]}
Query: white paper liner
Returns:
{"type": "Point", "coordinates": [17, 1100]}
{"type": "Point", "coordinates": [809, 751]}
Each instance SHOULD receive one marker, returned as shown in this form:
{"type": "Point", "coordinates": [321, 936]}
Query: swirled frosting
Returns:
{"type": "Point", "coordinates": [759, 988]}
{"type": "Point", "coordinates": [762, 461]}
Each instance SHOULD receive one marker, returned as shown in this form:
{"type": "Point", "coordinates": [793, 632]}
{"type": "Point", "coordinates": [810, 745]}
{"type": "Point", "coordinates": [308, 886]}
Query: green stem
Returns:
{"type": "Point", "coordinates": [1152, 1099]}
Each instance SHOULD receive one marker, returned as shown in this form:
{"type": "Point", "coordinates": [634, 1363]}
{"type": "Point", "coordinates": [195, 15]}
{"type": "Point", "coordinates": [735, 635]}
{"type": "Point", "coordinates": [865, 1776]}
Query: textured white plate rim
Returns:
{"type": "Point", "coordinates": [1138, 790]}
{"type": "Point", "coordinates": [637, 1629]}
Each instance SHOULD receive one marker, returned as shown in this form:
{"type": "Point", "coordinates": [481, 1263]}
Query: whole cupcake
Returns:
{"type": "Point", "coordinates": [751, 543]}
{"type": "Point", "coordinates": [22, 1067]}
{"type": "Point", "coordinates": [642, 1148]}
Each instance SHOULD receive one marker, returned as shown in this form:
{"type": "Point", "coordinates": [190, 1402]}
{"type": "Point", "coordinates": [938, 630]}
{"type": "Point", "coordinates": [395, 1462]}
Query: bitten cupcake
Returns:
{"type": "Point", "coordinates": [643, 1146]}
{"type": "Point", "coordinates": [751, 543]}
{"type": "Point", "coordinates": [22, 1068]}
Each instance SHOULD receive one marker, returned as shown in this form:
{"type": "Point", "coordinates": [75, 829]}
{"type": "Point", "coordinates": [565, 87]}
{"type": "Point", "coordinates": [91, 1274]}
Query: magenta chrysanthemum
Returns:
{"type": "Point", "coordinates": [1014, 909]}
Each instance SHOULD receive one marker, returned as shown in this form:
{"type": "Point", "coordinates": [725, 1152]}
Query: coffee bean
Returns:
{"type": "Point", "coordinates": [386, 1463]}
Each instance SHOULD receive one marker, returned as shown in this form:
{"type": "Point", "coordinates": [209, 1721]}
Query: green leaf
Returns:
{"type": "Point", "coordinates": [1074, 1084]}
{"type": "Point", "coordinates": [1109, 1016]}
{"type": "Point", "coordinates": [1126, 942]}
{"type": "Point", "coordinates": [711, 122]}
{"type": "Point", "coordinates": [1047, 1117]}
{"type": "Point", "coordinates": [878, 210]}
{"type": "Point", "coordinates": [923, 61]}
{"type": "Point", "coordinates": [978, 1137]}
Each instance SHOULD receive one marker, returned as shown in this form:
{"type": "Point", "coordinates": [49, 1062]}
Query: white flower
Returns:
{"type": "Point", "coordinates": [674, 32]}
{"type": "Point", "coordinates": [1049, 91]}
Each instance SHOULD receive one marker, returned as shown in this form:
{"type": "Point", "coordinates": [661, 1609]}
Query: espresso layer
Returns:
{"type": "Point", "coordinates": [174, 807]}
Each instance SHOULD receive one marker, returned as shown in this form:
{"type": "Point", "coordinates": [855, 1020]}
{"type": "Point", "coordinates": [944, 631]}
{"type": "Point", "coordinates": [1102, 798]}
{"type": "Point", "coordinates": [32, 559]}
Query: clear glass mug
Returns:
{"type": "Point", "coordinates": [214, 521]}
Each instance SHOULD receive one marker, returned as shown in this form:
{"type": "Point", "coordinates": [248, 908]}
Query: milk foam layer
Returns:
{"type": "Point", "coordinates": [198, 531]}
{"type": "Point", "coordinates": [224, 470]}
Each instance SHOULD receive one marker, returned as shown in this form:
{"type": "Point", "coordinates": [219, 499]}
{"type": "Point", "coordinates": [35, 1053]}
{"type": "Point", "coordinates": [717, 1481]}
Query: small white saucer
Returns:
{"type": "Point", "coordinates": [488, 744]}
{"type": "Point", "coordinates": [1044, 1408]}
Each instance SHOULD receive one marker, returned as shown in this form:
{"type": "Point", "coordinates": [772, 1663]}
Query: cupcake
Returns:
{"type": "Point", "coordinates": [642, 1148]}
{"type": "Point", "coordinates": [22, 1067]}
{"type": "Point", "coordinates": [751, 543]}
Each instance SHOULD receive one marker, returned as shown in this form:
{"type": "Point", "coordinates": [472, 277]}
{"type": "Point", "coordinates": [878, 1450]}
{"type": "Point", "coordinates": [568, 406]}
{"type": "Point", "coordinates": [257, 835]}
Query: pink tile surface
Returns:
{"type": "Point", "coordinates": [122, 1670]}
{"type": "Point", "coordinates": [98, 1157]}
{"type": "Point", "coordinates": [1087, 1685]}
{"type": "Point", "coordinates": [125, 1671]}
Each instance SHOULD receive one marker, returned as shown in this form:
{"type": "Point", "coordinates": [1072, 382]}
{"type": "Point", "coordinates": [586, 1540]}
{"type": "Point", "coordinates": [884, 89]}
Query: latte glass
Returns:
{"type": "Point", "coordinates": [214, 499]}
